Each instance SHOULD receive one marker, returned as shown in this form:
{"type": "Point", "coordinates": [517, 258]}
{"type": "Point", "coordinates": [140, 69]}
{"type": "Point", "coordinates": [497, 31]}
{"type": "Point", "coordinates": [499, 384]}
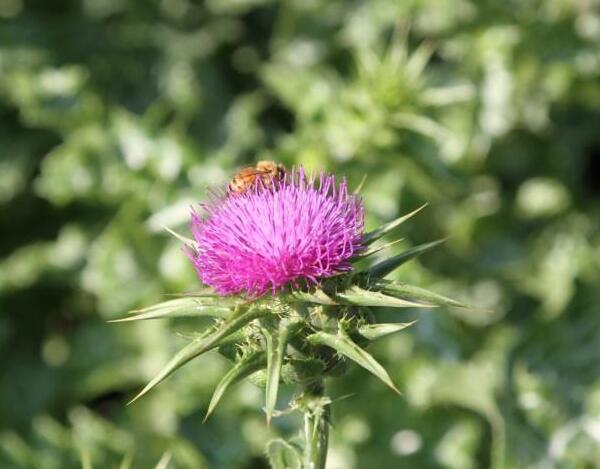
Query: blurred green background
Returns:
{"type": "Point", "coordinates": [117, 115]}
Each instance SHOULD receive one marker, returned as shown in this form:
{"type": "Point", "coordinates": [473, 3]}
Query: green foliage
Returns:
{"type": "Point", "coordinates": [119, 115]}
{"type": "Point", "coordinates": [244, 367]}
{"type": "Point", "coordinates": [277, 337]}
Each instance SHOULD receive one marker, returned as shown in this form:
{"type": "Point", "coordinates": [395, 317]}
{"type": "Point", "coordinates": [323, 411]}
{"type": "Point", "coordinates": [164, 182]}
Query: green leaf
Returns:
{"type": "Point", "coordinates": [376, 331]}
{"type": "Point", "coordinates": [243, 368]}
{"type": "Point", "coordinates": [277, 340]}
{"type": "Point", "coordinates": [361, 297]}
{"type": "Point", "coordinates": [385, 267]}
{"type": "Point", "coordinates": [374, 250]}
{"type": "Point", "coordinates": [342, 344]}
{"type": "Point", "coordinates": [317, 296]}
{"type": "Point", "coordinates": [422, 125]}
{"type": "Point", "coordinates": [416, 293]}
{"type": "Point", "coordinates": [205, 292]}
{"type": "Point", "coordinates": [201, 345]}
{"type": "Point", "coordinates": [86, 458]}
{"type": "Point", "coordinates": [282, 455]}
{"type": "Point", "coordinates": [180, 308]}
{"type": "Point", "coordinates": [189, 302]}
{"type": "Point", "coordinates": [387, 227]}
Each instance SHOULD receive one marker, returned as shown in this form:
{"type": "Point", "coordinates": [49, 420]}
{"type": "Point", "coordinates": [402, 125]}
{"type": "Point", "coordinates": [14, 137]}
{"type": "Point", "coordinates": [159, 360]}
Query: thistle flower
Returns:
{"type": "Point", "coordinates": [294, 232]}
{"type": "Point", "coordinates": [298, 238]}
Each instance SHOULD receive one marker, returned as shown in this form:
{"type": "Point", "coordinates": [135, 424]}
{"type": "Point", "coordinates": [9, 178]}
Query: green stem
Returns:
{"type": "Point", "coordinates": [316, 427]}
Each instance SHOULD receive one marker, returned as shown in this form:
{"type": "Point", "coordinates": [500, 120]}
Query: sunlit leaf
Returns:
{"type": "Point", "coordinates": [188, 302]}
{"type": "Point", "coordinates": [127, 461]}
{"type": "Point", "coordinates": [243, 368]}
{"type": "Point", "coordinates": [416, 63]}
{"type": "Point", "coordinates": [361, 297]}
{"type": "Point", "coordinates": [316, 296]}
{"type": "Point", "coordinates": [164, 461]}
{"type": "Point", "coordinates": [376, 331]}
{"type": "Point", "coordinates": [201, 345]}
{"type": "Point", "coordinates": [181, 308]}
{"type": "Point", "coordinates": [342, 344]}
{"type": "Point", "coordinates": [415, 293]}
{"type": "Point", "coordinates": [422, 125]}
{"type": "Point", "coordinates": [374, 250]}
{"type": "Point", "coordinates": [277, 339]}
{"type": "Point", "coordinates": [206, 292]}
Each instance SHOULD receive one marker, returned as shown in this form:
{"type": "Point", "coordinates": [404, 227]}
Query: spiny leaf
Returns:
{"type": "Point", "coordinates": [376, 331]}
{"type": "Point", "coordinates": [342, 344]}
{"type": "Point", "coordinates": [374, 250]}
{"type": "Point", "coordinates": [202, 293]}
{"type": "Point", "coordinates": [180, 308]}
{"type": "Point", "coordinates": [317, 296]}
{"type": "Point", "coordinates": [201, 345]}
{"type": "Point", "coordinates": [361, 297]}
{"type": "Point", "coordinates": [243, 368]}
{"type": "Point", "coordinates": [416, 293]}
{"type": "Point", "coordinates": [387, 227]}
{"type": "Point", "coordinates": [383, 268]}
{"type": "Point", "coordinates": [188, 302]}
{"type": "Point", "coordinates": [277, 340]}
{"type": "Point", "coordinates": [445, 95]}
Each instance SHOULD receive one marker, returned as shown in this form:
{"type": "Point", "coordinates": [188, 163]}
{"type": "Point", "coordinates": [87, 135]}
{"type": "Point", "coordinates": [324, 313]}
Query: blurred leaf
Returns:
{"type": "Point", "coordinates": [375, 249]}
{"type": "Point", "coordinates": [277, 339]}
{"type": "Point", "coordinates": [164, 461]}
{"type": "Point", "coordinates": [185, 240]}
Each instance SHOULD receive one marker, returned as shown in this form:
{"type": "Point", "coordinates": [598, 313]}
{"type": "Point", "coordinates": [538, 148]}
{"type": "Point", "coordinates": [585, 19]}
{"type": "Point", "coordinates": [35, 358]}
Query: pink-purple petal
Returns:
{"type": "Point", "coordinates": [268, 238]}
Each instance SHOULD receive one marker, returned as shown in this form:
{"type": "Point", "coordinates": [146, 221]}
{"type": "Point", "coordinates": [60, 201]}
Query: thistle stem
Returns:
{"type": "Point", "coordinates": [316, 426]}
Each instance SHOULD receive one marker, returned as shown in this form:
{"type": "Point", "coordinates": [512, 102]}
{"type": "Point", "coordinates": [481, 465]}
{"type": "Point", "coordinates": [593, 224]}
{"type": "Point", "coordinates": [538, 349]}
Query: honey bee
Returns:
{"type": "Point", "coordinates": [266, 172]}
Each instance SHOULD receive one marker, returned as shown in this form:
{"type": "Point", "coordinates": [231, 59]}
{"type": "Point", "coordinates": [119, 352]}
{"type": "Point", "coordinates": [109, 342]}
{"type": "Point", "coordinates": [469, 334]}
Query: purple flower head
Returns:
{"type": "Point", "coordinates": [299, 229]}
